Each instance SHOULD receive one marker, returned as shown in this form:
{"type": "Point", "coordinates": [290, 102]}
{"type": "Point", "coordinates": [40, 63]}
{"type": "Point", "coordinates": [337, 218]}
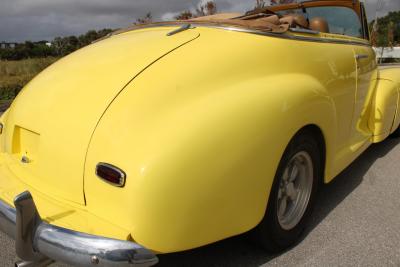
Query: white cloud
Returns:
{"type": "Point", "coordinates": [381, 7]}
{"type": "Point", "coordinates": [44, 19]}
{"type": "Point", "coordinates": [202, 2]}
{"type": "Point", "coordinates": [169, 16]}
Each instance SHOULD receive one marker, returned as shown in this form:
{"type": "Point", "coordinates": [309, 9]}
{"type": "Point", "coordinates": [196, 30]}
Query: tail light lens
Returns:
{"type": "Point", "coordinates": [111, 174]}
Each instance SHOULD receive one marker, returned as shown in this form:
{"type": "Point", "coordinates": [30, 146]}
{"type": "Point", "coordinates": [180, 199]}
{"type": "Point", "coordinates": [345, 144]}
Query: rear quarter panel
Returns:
{"type": "Point", "coordinates": [384, 118]}
{"type": "Point", "coordinates": [200, 134]}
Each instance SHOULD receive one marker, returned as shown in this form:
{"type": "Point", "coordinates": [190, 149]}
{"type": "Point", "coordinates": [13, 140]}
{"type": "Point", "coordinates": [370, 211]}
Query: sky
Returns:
{"type": "Point", "coordinates": [36, 20]}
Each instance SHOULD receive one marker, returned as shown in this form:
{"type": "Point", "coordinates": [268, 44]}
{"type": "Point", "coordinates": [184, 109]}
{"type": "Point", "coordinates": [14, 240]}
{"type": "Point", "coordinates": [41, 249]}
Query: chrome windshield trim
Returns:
{"type": "Point", "coordinates": [47, 241]}
{"type": "Point", "coordinates": [255, 31]}
{"type": "Point", "coordinates": [288, 36]}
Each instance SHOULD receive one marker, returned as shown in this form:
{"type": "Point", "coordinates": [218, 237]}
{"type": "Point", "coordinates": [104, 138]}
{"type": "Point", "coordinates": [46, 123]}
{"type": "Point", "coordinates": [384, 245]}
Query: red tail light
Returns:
{"type": "Point", "coordinates": [111, 174]}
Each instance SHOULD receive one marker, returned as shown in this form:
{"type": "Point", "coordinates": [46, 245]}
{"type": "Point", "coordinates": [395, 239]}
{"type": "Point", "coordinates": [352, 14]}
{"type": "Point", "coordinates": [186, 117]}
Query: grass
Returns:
{"type": "Point", "coordinates": [14, 75]}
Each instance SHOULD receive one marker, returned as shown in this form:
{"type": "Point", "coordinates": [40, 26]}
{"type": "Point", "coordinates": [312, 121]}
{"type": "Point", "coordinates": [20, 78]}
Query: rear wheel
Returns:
{"type": "Point", "coordinates": [396, 133]}
{"type": "Point", "coordinates": [292, 195]}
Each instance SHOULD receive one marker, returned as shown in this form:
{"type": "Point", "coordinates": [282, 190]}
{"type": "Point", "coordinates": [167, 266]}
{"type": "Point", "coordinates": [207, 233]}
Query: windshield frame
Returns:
{"type": "Point", "coordinates": [355, 5]}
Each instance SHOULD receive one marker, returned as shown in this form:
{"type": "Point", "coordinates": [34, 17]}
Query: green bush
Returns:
{"type": "Point", "coordinates": [14, 75]}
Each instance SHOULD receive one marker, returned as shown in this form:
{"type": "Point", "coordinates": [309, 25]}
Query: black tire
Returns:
{"type": "Point", "coordinates": [396, 134]}
{"type": "Point", "coordinates": [269, 233]}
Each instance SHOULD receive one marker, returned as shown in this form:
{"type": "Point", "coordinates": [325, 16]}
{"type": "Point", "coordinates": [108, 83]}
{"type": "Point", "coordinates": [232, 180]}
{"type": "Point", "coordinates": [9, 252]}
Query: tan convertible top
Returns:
{"type": "Point", "coordinates": [263, 19]}
{"type": "Point", "coordinates": [262, 22]}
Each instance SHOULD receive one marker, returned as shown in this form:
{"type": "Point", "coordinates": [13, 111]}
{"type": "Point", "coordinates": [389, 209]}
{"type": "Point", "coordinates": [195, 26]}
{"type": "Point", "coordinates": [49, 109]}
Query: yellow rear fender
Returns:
{"type": "Point", "coordinates": [3, 120]}
{"type": "Point", "coordinates": [199, 165]}
{"type": "Point", "coordinates": [385, 117]}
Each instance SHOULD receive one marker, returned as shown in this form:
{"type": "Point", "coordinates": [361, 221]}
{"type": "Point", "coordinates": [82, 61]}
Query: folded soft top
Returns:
{"type": "Point", "coordinates": [261, 21]}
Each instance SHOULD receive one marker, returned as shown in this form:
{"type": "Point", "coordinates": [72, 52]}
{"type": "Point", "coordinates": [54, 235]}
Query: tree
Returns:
{"type": "Point", "coordinates": [386, 30]}
{"type": "Point", "coordinates": [184, 15]}
{"type": "Point", "coordinates": [259, 4]}
{"type": "Point", "coordinates": [211, 8]}
{"type": "Point", "coordinates": [66, 45]}
{"type": "Point", "coordinates": [280, 2]}
{"type": "Point", "coordinates": [374, 34]}
{"type": "Point", "coordinates": [207, 9]}
{"type": "Point", "coordinates": [390, 34]}
{"type": "Point", "coordinates": [148, 18]}
{"type": "Point", "coordinates": [60, 46]}
{"type": "Point", "coordinates": [88, 38]}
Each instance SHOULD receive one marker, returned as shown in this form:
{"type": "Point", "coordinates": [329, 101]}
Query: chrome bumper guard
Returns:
{"type": "Point", "coordinates": [39, 243]}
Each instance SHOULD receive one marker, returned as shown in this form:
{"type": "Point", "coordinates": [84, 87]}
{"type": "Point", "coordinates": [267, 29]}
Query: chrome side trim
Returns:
{"type": "Point", "coordinates": [39, 243]}
{"type": "Point", "coordinates": [301, 30]}
{"type": "Point", "coordinates": [361, 56]}
{"type": "Point", "coordinates": [289, 36]}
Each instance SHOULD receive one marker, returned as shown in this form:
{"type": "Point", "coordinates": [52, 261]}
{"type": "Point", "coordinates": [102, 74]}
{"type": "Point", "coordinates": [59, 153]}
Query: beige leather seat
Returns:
{"type": "Point", "coordinates": [295, 20]}
{"type": "Point", "coordinates": [319, 24]}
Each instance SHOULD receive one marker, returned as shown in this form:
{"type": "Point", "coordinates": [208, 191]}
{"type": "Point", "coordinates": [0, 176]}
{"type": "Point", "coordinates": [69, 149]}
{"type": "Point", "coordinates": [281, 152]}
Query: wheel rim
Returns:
{"type": "Point", "coordinates": [295, 190]}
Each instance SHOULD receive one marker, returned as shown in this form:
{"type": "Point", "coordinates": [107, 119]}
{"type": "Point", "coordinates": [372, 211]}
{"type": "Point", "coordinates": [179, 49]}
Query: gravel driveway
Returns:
{"type": "Point", "coordinates": [356, 223]}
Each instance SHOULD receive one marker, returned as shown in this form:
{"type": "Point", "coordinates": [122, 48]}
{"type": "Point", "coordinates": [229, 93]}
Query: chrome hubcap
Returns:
{"type": "Point", "coordinates": [295, 190]}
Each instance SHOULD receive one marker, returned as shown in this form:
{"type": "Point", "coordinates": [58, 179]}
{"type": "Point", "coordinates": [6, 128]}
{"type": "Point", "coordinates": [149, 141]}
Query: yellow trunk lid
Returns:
{"type": "Point", "coordinates": [49, 125]}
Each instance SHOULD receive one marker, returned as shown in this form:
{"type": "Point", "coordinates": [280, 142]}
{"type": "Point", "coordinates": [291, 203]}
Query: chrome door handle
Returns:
{"type": "Point", "coordinates": [361, 56]}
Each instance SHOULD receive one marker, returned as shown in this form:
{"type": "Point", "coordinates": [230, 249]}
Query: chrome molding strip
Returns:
{"type": "Point", "coordinates": [301, 30]}
{"type": "Point", "coordinates": [289, 36]}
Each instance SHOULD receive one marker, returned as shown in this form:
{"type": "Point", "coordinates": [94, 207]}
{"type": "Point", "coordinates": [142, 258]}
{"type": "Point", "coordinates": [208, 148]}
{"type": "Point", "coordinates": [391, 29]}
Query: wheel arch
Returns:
{"type": "Point", "coordinates": [271, 239]}
{"type": "Point", "coordinates": [318, 134]}
{"type": "Point", "coordinates": [384, 118]}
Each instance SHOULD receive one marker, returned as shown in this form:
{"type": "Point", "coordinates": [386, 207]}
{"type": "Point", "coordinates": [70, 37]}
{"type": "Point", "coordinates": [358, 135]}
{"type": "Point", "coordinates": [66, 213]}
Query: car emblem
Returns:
{"type": "Point", "coordinates": [25, 159]}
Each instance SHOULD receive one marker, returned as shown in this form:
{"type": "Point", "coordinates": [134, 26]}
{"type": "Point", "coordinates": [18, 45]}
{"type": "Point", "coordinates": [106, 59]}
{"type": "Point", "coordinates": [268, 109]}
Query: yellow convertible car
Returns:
{"type": "Point", "coordinates": [170, 136]}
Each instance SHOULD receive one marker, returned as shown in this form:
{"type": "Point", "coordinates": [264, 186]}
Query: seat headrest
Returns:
{"type": "Point", "coordinates": [319, 24]}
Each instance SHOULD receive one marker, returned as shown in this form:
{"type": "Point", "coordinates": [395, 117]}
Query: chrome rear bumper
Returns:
{"type": "Point", "coordinates": [38, 242]}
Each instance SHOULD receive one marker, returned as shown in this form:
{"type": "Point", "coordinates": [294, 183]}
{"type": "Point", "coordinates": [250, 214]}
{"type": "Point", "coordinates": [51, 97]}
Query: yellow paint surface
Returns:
{"type": "Point", "coordinates": [198, 121]}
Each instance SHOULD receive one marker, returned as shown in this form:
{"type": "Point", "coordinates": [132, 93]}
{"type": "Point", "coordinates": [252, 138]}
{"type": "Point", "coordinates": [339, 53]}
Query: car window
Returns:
{"type": "Point", "coordinates": [341, 20]}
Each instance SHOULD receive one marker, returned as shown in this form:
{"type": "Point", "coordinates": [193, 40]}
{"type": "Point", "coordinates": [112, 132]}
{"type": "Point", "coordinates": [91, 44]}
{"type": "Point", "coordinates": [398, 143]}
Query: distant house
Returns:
{"type": "Point", "coordinates": [387, 53]}
{"type": "Point", "coordinates": [47, 43]}
{"type": "Point", "coordinates": [4, 45]}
